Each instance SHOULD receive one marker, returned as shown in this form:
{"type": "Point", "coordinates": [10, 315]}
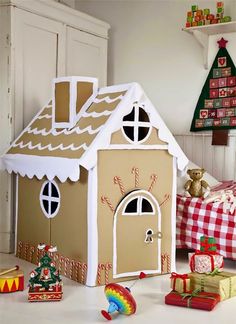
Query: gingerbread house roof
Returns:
{"type": "Point", "coordinates": [42, 150]}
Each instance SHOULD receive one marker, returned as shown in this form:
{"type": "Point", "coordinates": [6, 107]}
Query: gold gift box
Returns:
{"type": "Point", "coordinates": [223, 283]}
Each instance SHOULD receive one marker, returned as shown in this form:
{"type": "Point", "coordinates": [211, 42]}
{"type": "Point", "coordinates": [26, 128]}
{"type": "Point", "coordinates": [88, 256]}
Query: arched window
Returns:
{"type": "Point", "coordinates": [138, 205]}
{"type": "Point", "coordinates": [50, 199]}
{"type": "Point", "coordinates": [136, 125]}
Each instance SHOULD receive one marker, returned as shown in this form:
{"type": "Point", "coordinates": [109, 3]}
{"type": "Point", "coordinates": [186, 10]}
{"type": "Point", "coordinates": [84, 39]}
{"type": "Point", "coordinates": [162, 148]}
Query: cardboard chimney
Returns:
{"type": "Point", "coordinates": [71, 95]}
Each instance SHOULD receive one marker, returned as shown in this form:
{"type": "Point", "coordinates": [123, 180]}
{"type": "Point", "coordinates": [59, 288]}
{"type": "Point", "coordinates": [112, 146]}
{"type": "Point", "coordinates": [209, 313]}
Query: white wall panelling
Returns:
{"type": "Point", "coordinates": [220, 161]}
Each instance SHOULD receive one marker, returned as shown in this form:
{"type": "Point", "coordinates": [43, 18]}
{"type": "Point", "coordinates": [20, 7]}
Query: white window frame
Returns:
{"type": "Point", "coordinates": [49, 198]}
{"type": "Point", "coordinates": [139, 206]}
{"type": "Point", "coordinates": [136, 124]}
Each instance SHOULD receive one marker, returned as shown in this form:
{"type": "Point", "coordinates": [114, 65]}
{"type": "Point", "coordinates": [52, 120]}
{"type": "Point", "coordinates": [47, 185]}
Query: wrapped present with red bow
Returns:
{"type": "Point", "coordinates": [180, 282]}
{"type": "Point", "coordinates": [207, 244]}
{"type": "Point", "coordinates": [194, 299]}
{"type": "Point", "coordinates": [205, 262]}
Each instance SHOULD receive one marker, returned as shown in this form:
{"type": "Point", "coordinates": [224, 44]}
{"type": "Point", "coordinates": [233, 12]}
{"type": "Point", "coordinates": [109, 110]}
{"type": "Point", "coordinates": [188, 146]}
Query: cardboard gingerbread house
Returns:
{"type": "Point", "coordinates": [96, 176]}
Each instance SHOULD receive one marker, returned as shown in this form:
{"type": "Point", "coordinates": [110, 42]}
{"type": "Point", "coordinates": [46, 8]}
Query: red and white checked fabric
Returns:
{"type": "Point", "coordinates": [196, 218]}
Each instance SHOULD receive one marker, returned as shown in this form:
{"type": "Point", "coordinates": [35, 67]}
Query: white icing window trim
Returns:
{"type": "Point", "coordinates": [139, 206]}
{"type": "Point", "coordinates": [136, 124]}
{"type": "Point", "coordinates": [49, 198]}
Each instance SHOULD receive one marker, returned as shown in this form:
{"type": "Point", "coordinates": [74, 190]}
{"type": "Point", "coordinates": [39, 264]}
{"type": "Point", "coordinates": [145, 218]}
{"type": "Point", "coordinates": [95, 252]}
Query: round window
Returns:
{"type": "Point", "coordinates": [136, 125]}
{"type": "Point", "coordinates": [50, 199]}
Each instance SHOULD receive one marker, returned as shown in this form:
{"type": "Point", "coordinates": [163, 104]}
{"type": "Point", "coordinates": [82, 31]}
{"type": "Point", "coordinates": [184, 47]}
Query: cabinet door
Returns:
{"type": "Point", "coordinates": [86, 55]}
{"type": "Point", "coordinates": [39, 57]}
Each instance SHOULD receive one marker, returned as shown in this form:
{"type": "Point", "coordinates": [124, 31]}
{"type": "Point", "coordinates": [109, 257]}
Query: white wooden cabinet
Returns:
{"type": "Point", "coordinates": [40, 40]}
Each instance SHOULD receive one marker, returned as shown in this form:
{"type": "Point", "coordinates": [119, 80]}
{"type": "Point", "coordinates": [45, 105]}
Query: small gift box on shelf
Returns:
{"type": "Point", "coordinates": [222, 283]}
{"type": "Point", "coordinates": [180, 282]}
{"type": "Point", "coordinates": [195, 299]}
{"type": "Point", "coordinates": [207, 244]}
{"type": "Point", "coordinates": [205, 262]}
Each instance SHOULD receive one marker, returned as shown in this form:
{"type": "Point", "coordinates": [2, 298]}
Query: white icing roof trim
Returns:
{"type": "Point", "coordinates": [64, 168]}
{"type": "Point", "coordinates": [40, 166]}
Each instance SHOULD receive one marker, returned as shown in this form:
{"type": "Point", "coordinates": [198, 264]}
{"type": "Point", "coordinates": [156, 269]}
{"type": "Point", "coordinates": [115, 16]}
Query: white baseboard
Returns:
{"type": "Point", "coordinates": [6, 242]}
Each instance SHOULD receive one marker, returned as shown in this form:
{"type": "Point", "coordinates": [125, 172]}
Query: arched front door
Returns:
{"type": "Point", "coordinates": [137, 235]}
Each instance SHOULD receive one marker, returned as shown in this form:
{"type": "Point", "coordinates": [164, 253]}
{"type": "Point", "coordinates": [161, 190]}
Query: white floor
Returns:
{"type": "Point", "coordinates": [82, 304]}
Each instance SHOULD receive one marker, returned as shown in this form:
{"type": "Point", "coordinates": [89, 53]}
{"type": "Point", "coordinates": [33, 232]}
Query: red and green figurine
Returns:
{"type": "Point", "coordinates": [45, 282]}
{"type": "Point", "coordinates": [216, 106]}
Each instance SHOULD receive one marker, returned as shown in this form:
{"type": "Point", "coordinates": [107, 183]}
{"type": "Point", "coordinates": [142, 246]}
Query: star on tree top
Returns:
{"type": "Point", "coordinates": [222, 42]}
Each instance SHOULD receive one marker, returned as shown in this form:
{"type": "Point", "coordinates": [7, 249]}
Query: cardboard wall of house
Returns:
{"type": "Point", "coordinates": [68, 229]}
{"type": "Point", "coordinates": [160, 162]}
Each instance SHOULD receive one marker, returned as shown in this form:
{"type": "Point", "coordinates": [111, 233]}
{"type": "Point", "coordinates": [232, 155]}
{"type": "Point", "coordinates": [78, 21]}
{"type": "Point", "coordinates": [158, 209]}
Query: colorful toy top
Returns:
{"type": "Point", "coordinates": [120, 299]}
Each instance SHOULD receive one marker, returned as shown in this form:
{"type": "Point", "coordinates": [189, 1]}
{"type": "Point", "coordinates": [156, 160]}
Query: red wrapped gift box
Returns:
{"type": "Point", "coordinates": [199, 300]}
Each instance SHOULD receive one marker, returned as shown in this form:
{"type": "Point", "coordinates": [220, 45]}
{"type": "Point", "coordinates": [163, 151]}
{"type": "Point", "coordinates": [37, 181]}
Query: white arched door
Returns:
{"type": "Point", "coordinates": [137, 235]}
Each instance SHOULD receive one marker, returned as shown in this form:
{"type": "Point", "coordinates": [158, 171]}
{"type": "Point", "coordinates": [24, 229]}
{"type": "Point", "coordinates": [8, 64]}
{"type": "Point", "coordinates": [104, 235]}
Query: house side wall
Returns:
{"type": "Point", "coordinates": [120, 163]}
{"type": "Point", "coordinates": [32, 226]}
{"type": "Point", "coordinates": [68, 229]}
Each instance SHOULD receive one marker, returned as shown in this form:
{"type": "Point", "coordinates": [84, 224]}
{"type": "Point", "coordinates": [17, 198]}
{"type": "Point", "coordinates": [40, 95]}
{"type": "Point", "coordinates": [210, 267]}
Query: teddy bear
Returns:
{"type": "Point", "coordinates": [196, 187]}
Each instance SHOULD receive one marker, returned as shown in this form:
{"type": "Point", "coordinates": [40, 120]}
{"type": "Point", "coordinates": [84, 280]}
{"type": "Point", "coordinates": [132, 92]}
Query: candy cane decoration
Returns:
{"type": "Point", "coordinates": [154, 179]}
{"type": "Point", "coordinates": [83, 272]}
{"type": "Point", "coordinates": [166, 198]}
{"type": "Point", "coordinates": [26, 251]}
{"type": "Point", "coordinates": [165, 257]}
{"type": "Point", "coordinates": [61, 263]}
{"type": "Point", "coordinates": [77, 268]}
{"type": "Point", "coordinates": [19, 250]}
{"type": "Point", "coordinates": [55, 257]}
{"type": "Point", "coordinates": [99, 274]}
{"type": "Point", "coordinates": [32, 250]}
{"type": "Point", "coordinates": [106, 200]}
{"type": "Point", "coordinates": [72, 264]}
{"type": "Point", "coordinates": [67, 265]}
{"type": "Point", "coordinates": [117, 180]}
{"type": "Point", "coordinates": [135, 171]}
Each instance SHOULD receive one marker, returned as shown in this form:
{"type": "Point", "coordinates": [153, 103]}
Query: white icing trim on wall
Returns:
{"type": "Point", "coordinates": [47, 116]}
{"type": "Point", "coordinates": [108, 99]}
{"type": "Point", "coordinates": [50, 147]}
{"type": "Point", "coordinates": [65, 131]}
{"type": "Point", "coordinates": [133, 194]}
{"type": "Point", "coordinates": [95, 114]}
{"type": "Point", "coordinates": [40, 166]}
{"type": "Point", "coordinates": [92, 261]}
{"type": "Point", "coordinates": [173, 217]}
{"type": "Point", "coordinates": [137, 147]}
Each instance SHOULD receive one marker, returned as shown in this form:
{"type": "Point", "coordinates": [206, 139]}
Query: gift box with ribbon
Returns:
{"type": "Point", "coordinates": [207, 244]}
{"type": "Point", "coordinates": [194, 299]}
{"type": "Point", "coordinates": [205, 262]}
{"type": "Point", "coordinates": [222, 283]}
{"type": "Point", "coordinates": [180, 282]}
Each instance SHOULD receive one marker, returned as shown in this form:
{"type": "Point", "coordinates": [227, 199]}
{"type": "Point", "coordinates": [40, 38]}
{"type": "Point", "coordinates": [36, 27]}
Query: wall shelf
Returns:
{"type": "Point", "coordinates": [202, 34]}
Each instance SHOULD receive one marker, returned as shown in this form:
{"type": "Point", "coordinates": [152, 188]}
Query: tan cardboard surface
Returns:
{"type": "Point", "coordinates": [69, 227]}
{"type": "Point", "coordinates": [32, 225]}
{"type": "Point", "coordinates": [120, 163]}
{"type": "Point", "coordinates": [62, 101]}
{"type": "Point", "coordinates": [65, 139]}
{"type": "Point", "coordinates": [84, 91]}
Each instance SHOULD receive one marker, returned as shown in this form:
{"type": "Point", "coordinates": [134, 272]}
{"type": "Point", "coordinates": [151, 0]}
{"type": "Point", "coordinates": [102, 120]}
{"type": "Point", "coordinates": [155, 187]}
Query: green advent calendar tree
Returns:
{"type": "Point", "coordinates": [216, 106]}
{"type": "Point", "coordinates": [45, 274]}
